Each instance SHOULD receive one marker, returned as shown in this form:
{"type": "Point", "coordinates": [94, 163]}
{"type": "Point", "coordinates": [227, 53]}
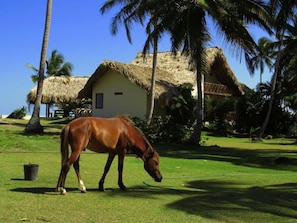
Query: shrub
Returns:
{"type": "Point", "coordinates": [19, 113]}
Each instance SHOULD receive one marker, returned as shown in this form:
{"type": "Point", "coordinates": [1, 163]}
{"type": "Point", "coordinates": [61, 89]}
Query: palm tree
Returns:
{"type": "Point", "coordinates": [189, 31]}
{"type": "Point", "coordinates": [137, 11]}
{"type": "Point", "coordinates": [283, 12]}
{"type": "Point", "coordinates": [55, 66]}
{"type": "Point", "coordinates": [263, 58]}
{"type": "Point", "coordinates": [34, 125]}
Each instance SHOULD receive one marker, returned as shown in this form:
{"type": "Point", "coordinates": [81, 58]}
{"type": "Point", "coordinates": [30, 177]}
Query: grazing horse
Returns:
{"type": "Point", "coordinates": [105, 135]}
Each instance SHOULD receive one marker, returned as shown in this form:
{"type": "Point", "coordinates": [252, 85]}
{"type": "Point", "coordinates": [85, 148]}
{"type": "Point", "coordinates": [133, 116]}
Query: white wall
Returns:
{"type": "Point", "coordinates": [132, 102]}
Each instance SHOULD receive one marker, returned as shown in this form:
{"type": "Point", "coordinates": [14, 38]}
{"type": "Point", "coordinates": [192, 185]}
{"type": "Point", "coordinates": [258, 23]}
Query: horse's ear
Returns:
{"type": "Point", "coordinates": [148, 154]}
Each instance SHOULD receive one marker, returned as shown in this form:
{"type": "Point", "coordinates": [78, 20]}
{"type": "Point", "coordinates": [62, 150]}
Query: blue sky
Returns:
{"type": "Point", "coordinates": [82, 35]}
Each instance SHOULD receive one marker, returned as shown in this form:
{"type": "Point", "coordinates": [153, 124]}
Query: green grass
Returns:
{"type": "Point", "coordinates": [229, 180]}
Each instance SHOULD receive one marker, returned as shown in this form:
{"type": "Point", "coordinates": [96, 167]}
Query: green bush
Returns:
{"type": "Point", "coordinates": [19, 113]}
{"type": "Point", "coordinates": [177, 125]}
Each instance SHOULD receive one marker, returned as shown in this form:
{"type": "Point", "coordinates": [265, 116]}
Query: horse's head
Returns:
{"type": "Point", "coordinates": [151, 165]}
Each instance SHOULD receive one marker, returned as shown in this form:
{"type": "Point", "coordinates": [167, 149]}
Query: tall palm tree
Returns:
{"type": "Point", "coordinates": [283, 12]}
{"type": "Point", "coordinates": [189, 31]}
{"type": "Point", "coordinates": [34, 125]}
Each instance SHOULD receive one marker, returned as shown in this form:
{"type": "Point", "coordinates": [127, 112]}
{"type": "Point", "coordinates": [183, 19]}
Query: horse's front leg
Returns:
{"type": "Point", "coordinates": [120, 170]}
{"type": "Point", "coordinates": [106, 169]}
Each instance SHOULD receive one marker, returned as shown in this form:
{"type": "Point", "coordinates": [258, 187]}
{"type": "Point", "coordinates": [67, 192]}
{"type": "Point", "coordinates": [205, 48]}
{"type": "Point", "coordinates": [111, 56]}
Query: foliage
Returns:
{"type": "Point", "coordinates": [70, 107]}
{"type": "Point", "coordinates": [55, 66]}
{"type": "Point", "coordinates": [252, 108]}
{"type": "Point", "coordinates": [177, 124]}
{"type": "Point", "coordinates": [182, 106]}
{"type": "Point", "coordinates": [19, 113]}
{"type": "Point", "coordinates": [218, 112]}
{"type": "Point", "coordinates": [250, 111]}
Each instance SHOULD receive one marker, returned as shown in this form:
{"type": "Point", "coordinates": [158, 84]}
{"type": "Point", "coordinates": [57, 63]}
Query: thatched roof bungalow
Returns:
{"type": "Point", "coordinates": [58, 89]}
{"type": "Point", "coordinates": [119, 88]}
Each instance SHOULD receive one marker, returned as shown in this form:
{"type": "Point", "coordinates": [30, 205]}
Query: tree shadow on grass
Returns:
{"type": "Point", "coordinates": [222, 200]}
{"type": "Point", "coordinates": [260, 158]}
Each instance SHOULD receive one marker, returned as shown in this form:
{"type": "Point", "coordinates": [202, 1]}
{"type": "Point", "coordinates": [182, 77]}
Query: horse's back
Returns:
{"type": "Point", "coordinates": [100, 134]}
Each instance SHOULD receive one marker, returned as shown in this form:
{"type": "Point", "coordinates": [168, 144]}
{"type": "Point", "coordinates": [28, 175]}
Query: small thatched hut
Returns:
{"type": "Point", "coordinates": [124, 89]}
{"type": "Point", "coordinates": [58, 89]}
{"type": "Point", "coordinates": [139, 75]}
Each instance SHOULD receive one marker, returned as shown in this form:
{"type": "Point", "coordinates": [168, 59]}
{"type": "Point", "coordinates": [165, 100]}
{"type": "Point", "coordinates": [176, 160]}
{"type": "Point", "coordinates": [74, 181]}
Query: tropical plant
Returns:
{"type": "Point", "coordinates": [263, 58]}
{"type": "Point", "coordinates": [218, 112]}
{"type": "Point", "coordinates": [34, 125]}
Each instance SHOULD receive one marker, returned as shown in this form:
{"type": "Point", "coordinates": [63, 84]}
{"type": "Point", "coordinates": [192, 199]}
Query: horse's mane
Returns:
{"type": "Point", "coordinates": [138, 130]}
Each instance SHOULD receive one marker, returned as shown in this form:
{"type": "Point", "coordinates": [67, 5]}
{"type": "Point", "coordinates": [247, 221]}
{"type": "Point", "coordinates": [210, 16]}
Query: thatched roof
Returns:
{"type": "Point", "coordinates": [57, 89]}
{"type": "Point", "coordinates": [172, 70]}
{"type": "Point", "coordinates": [219, 78]}
{"type": "Point", "coordinates": [138, 75]}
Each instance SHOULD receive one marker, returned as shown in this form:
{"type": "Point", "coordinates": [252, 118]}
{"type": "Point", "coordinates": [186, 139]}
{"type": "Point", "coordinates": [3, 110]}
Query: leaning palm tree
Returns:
{"type": "Point", "coordinates": [283, 12]}
{"type": "Point", "coordinates": [34, 125]}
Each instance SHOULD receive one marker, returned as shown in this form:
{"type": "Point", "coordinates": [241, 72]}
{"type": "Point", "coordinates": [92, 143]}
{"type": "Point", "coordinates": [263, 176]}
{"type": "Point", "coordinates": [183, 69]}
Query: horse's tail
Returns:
{"type": "Point", "coordinates": [64, 145]}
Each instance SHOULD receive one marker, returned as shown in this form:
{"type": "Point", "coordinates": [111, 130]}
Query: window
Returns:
{"type": "Point", "coordinates": [99, 100]}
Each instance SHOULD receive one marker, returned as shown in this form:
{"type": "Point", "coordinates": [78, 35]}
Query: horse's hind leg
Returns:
{"type": "Point", "coordinates": [106, 169]}
{"type": "Point", "coordinates": [81, 185]}
{"type": "Point", "coordinates": [64, 171]}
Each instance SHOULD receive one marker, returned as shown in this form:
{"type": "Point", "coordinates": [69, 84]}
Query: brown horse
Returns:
{"type": "Point", "coordinates": [105, 135]}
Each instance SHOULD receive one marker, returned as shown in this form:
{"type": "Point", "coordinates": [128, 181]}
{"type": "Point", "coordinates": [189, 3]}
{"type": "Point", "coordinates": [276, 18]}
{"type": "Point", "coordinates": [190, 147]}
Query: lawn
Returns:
{"type": "Point", "coordinates": [228, 180]}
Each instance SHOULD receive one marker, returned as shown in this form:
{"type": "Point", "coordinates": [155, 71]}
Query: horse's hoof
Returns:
{"type": "Point", "coordinates": [123, 188]}
{"type": "Point", "coordinates": [101, 189]}
{"type": "Point", "coordinates": [63, 191]}
{"type": "Point", "coordinates": [83, 191]}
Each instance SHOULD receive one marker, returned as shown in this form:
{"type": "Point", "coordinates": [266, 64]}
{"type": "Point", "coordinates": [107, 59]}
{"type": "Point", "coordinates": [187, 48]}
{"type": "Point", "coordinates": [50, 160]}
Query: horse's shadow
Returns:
{"type": "Point", "coordinates": [51, 190]}
{"type": "Point", "coordinates": [38, 190]}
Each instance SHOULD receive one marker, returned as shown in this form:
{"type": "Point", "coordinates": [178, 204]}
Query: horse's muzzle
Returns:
{"type": "Point", "coordinates": [158, 179]}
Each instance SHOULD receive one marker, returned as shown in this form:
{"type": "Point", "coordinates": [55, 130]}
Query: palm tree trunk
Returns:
{"type": "Point", "coordinates": [152, 90]}
{"type": "Point", "coordinates": [34, 125]}
{"type": "Point", "coordinates": [196, 136]}
{"type": "Point", "coordinates": [273, 86]}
